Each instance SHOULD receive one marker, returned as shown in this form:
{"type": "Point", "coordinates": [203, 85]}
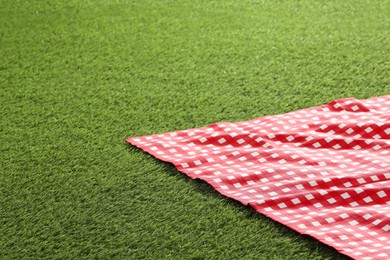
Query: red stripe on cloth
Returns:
{"type": "Point", "coordinates": [322, 171]}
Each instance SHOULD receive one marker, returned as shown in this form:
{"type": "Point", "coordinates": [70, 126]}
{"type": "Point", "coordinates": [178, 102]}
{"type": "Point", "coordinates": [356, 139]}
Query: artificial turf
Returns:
{"type": "Point", "coordinates": [78, 77]}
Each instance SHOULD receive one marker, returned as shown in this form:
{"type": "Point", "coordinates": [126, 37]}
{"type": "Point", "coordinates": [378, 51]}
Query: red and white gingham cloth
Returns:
{"type": "Point", "coordinates": [322, 171]}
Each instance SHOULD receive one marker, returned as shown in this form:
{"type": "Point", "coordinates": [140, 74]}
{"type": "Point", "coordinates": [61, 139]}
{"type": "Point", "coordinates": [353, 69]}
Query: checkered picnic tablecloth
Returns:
{"type": "Point", "coordinates": [322, 171]}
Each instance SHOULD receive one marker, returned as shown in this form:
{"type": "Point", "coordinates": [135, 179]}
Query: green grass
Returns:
{"type": "Point", "coordinates": [78, 77]}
